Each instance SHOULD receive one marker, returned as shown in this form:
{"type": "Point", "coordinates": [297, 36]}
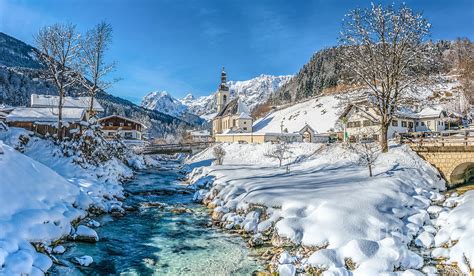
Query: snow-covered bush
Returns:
{"type": "Point", "coordinates": [219, 154]}
{"type": "Point", "coordinates": [90, 146]}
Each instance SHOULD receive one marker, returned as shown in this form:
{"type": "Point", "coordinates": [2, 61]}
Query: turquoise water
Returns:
{"type": "Point", "coordinates": [155, 241]}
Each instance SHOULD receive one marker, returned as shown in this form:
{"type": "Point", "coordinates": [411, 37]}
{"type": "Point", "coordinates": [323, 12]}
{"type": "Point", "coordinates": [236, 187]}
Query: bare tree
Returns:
{"type": "Point", "coordinates": [368, 152]}
{"type": "Point", "coordinates": [58, 49]}
{"type": "Point", "coordinates": [465, 64]}
{"type": "Point", "coordinates": [92, 57]}
{"type": "Point", "coordinates": [281, 152]}
{"type": "Point", "coordinates": [219, 154]}
{"type": "Point", "coordinates": [384, 47]}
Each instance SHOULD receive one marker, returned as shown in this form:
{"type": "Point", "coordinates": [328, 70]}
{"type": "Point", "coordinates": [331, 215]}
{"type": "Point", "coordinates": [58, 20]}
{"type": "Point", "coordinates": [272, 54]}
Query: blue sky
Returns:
{"type": "Point", "coordinates": [180, 46]}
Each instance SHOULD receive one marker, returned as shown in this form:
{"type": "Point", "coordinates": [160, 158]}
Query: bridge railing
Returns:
{"type": "Point", "coordinates": [443, 138]}
{"type": "Point", "coordinates": [174, 147]}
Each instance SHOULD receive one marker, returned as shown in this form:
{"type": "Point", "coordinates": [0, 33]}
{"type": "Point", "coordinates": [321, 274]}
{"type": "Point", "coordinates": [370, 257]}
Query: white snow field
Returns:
{"type": "Point", "coordinates": [42, 192]}
{"type": "Point", "coordinates": [327, 203]}
{"type": "Point", "coordinates": [320, 113]}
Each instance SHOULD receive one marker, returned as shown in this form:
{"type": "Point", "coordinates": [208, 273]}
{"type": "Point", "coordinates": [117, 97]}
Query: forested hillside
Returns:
{"type": "Point", "coordinates": [325, 71]}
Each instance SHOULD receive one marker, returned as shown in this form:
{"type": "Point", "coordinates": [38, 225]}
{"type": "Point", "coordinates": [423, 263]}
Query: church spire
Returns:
{"type": "Point", "coordinates": [223, 86]}
{"type": "Point", "coordinates": [223, 76]}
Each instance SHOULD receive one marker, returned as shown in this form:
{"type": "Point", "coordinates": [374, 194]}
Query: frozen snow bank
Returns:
{"type": "Point", "coordinates": [326, 202]}
{"type": "Point", "coordinates": [36, 204]}
{"type": "Point", "coordinates": [101, 183]}
{"type": "Point", "coordinates": [457, 233]}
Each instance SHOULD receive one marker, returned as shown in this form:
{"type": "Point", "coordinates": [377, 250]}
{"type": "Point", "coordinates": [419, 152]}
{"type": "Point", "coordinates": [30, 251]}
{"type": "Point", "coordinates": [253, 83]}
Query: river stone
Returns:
{"type": "Point", "coordinates": [83, 261]}
{"type": "Point", "coordinates": [85, 234]}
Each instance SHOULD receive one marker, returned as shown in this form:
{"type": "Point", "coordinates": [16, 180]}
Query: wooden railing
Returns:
{"type": "Point", "coordinates": [184, 147]}
{"type": "Point", "coordinates": [444, 138]}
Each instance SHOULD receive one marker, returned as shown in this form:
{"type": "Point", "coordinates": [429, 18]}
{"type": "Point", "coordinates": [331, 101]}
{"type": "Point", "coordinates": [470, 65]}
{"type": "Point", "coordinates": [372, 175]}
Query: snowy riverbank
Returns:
{"type": "Point", "coordinates": [43, 192]}
{"type": "Point", "coordinates": [327, 213]}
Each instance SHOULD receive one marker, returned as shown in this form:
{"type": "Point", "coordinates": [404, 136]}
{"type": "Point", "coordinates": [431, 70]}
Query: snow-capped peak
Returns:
{"type": "Point", "coordinates": [188, 97]}
{"type": "Point", "coordinates": [252, 92]}
{"type": "Point", "coordinates": [163, 102]}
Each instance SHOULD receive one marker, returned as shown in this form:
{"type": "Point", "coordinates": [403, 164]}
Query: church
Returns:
{"type": "Point", "coordinates": [233, 116]}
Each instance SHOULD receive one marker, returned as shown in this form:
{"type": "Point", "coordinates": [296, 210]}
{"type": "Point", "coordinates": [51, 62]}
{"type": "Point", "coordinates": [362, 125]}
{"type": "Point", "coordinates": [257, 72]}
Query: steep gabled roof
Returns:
{"type": "Point", "coordinates": [121, 117]}
{"type": "Point", "coordinates": [70, 102]}
{"type": "Point", "coordinates": [307, 127]}
{"type": "Point", "coordinates": [44, 114]}
{"type": "Point", "coordinates": [235, 107]}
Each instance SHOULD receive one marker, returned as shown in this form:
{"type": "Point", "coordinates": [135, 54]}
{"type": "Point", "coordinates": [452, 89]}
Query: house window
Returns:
{"type": "Point", "coordinates": [367, 123]}
{"type": "Point", "coordinates": [353, 124]}
{"type": "Point", "coordinates": [422, 123]}
{"type": "Point", "coordinates": [394, 123]}
{"type": "Point", "coordinates": [375, 137]}
{"type": "Point", "coordinates": [404, 123]}
{"type": "Point", "coordinates": [110, 134]}
{"type": "Point", "coordinates": [417, 124]}
{"type": "Point", "coordinates": [233, 123]}
{"type": "Point", "coordinates": [121, 124]}
{"type": "Point", "coordinates": [111, 124]}
{"type": "Point", "coordinates": [245, 128]}
{"type": "Point", "coordinates": [128, 135]}
{"type": "Point", "coordinates": [245, 123]}
{"type": "Point", "coordinates": [129, 124]}
{"type": "Point", "coordinates": [410, 124]}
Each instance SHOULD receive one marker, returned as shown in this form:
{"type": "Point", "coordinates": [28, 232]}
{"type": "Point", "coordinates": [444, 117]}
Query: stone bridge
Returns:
{"type": "Point", "coordinates": [453, 156]}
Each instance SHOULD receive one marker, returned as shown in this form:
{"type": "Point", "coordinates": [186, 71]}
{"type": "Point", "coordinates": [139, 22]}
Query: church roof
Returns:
{"type": "Point", "coordinates": [235, 107]}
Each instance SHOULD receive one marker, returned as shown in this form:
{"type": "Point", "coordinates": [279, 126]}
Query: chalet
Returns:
{"type": "Point", "coordinates": [43, 120]}
{"type": "Point", "coordinates": [361, 121]}
{"type": "Point", "coordinates": [200, 136]}
{"type": "Point", "coordinates": [128, 129]}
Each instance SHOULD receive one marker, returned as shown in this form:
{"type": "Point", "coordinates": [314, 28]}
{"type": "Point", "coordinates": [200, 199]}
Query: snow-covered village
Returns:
{"type": "Point", "coordinates": [236, 137]}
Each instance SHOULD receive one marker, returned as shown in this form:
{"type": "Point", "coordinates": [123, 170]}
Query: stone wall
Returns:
{"type": "Point", "coordinates": [451, 161]}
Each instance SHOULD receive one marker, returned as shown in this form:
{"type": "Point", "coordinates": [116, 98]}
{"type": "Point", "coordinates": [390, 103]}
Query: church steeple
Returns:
{"type": "Point", "coordinates": [223, 92]}
{"type": "Point", "coordinates": [223, 86]}
{"type": "Point", "coordinates": [223, 75]}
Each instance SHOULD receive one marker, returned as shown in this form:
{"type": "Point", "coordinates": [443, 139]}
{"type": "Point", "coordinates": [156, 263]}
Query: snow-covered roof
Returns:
{"type": "Point", "coordinates": [6, 108]}
{"type": "Point", "coordinates": [200, 133]}
{"type": "Point", "coordinates": [430, 112]}
{"type": "Point", "coordinates": [44, 114]}
{"type": "Point", "coordinates": [122, 117]}
{"type": "Point", "coordinates": [244, 115]}
{"type": "Point", "coordinates": [236, 107]}
{"type": "Point", "coordinates": [70, 102]}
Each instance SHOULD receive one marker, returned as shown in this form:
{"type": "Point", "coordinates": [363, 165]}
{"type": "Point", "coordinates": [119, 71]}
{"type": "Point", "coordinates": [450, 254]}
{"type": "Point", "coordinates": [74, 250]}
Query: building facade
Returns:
{"type": "Point", "coordinates": [233, 116]}
{"type": "Point", "coordinates": [361, 122]}
{"type": "Point", "coordinates": [116, 125]}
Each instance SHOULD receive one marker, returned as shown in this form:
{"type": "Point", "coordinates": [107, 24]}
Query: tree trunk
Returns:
{"type": "Point", "coordinates": [370, 170]}
{"type": "Point", "coordinates": [60, 115]}
{"type": "Point", "coordinates": [91, 107]}
{"type": "Point", "coordinates": [383, 137]}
